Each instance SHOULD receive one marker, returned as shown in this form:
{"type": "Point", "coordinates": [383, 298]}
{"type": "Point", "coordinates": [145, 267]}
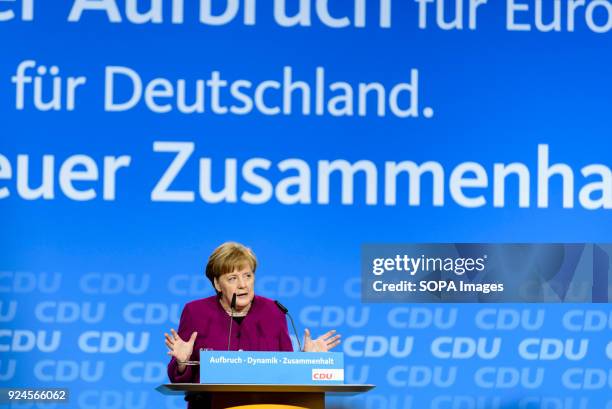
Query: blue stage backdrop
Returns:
{"type": "Point", "coordinates": [136, 136]}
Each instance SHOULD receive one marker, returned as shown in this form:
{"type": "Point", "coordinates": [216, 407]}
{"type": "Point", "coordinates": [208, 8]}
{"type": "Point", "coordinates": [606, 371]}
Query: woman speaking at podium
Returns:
{"type": "Point", "coordinates": [235, 319]}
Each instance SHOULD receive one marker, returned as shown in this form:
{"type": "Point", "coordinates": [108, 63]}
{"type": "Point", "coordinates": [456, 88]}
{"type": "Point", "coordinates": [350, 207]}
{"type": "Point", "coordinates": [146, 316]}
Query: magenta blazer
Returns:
{"type": "Point", "coordinates": [263, 329]}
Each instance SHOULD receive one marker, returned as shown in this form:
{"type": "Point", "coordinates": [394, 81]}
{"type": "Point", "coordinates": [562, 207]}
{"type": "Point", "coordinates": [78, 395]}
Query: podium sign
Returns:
{"type": "Point", "coordinates": [279, 368]}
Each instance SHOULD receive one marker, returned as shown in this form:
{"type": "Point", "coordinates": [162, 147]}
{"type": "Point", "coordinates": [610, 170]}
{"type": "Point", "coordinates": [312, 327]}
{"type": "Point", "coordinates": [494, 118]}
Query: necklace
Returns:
{"type": "Point", "coordinates": [237, 314]}
{"type": "Point", "coordinates": [242, 313]}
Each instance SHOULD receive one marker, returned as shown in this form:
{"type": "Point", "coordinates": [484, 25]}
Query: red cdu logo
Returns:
{"type": "Point", "coordinates": [328, 374]}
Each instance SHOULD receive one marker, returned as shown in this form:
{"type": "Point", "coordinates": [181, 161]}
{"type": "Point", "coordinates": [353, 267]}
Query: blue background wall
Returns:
{"type": "Point", "coordinates": [495, 93]}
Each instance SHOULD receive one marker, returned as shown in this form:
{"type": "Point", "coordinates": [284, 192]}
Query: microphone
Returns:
{"type": "Point", "coordinates": [232, 307]}
{"type": "Point", "coordinates": [285, 311]}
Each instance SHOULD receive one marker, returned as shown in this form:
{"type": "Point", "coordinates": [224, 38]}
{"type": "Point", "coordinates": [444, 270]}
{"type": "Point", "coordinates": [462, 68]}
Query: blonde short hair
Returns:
{"type": "Point", "coordinates": [228, 257]}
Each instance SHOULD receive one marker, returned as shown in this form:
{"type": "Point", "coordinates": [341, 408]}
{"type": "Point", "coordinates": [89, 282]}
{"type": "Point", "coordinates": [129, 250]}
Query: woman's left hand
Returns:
{"type": "Point", "coordinates": [324, 343]}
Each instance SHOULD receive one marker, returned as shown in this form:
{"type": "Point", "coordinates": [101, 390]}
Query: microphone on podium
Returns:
{"type": "Point", "coordinates": [285, 311]}
{"type": "Point", "coordinates": [232, 307]}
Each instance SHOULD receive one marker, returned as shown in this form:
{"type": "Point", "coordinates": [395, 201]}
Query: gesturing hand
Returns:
{"type": "Point", "coordinates": [322, 344]}
{"type": "Point", "coordinates": [180, 349]}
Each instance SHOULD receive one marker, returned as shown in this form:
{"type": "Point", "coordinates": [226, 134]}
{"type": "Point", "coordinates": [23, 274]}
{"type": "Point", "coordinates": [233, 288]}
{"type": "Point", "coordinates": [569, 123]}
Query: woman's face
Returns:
{"type": "Point", "coordinates": [241, 282]}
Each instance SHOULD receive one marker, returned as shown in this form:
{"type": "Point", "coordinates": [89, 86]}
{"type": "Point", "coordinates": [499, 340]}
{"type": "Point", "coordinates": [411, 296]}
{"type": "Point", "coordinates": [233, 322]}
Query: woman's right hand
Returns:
{"type": "Point", "coordinates": [179, 349]}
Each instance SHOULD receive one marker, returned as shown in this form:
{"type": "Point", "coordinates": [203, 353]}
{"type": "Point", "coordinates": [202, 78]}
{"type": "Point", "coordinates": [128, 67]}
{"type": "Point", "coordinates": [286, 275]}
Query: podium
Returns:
{"type": "Point", "coordinates": [225, 396]}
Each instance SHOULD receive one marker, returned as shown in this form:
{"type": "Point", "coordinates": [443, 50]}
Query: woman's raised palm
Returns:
{"type": "Point", "coordinates": [324, 343]}
{"type": "Point", "coordinates": [180, 349]}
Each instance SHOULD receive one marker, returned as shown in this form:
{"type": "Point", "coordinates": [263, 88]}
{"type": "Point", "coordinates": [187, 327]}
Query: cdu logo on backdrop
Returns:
{"type": "Point", "coordinates": [16, 9]}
